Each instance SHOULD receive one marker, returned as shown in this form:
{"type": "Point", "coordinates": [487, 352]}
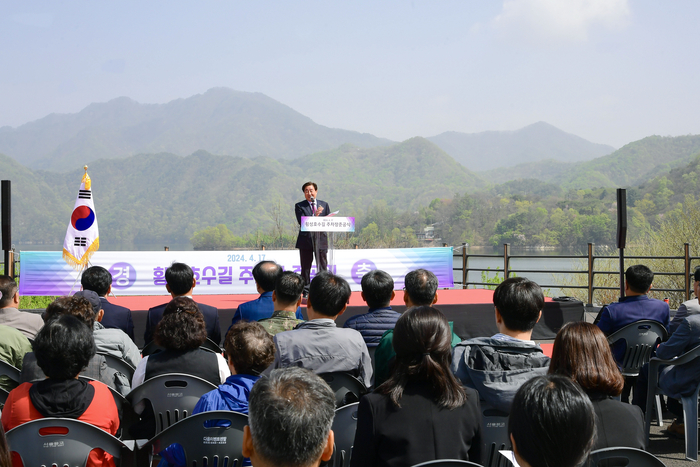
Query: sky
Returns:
{"type": "Point", "coordinates": [610, 71]}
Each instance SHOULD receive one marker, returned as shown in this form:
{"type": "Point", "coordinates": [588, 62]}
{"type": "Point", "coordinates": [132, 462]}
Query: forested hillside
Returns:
{"type": "Point", "coordinates": [166, 198]}
{"type": "Point", "coordinates": [630, 165]}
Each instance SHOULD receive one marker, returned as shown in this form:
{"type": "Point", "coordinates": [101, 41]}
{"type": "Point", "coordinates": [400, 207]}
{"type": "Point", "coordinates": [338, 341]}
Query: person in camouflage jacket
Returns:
{"type": "Point", "coordinates": [286, 299]}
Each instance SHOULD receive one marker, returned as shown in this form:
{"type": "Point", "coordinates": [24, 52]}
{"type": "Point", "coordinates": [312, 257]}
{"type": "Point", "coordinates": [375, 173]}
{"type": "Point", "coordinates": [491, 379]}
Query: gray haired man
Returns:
{"type": "Point", "coordinates": [289, 420]}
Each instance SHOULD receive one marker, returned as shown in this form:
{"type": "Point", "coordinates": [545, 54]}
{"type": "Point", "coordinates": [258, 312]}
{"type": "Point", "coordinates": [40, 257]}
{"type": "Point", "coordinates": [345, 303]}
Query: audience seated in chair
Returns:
{"type": "Point", "coordinates": [582, 353]}
{"type": "Point", "coordinates": [421, 412]}
{"type": "Point", "coordinates": [634, 306]}
{"type": "Point", "coordinates": [180, 282]}
{"type": "Point", "coordinates": [25, 322]}
{"type": "Point", "coordinates": [99, 280]}
{"type": "Point", "coordinates": [63, 348]}
{"type": "Point", "coordinates": [97, 368]}
{"type": "Point", "coordinates": [420, 289]}
{"type": "Point", "coordinates": [318, 344]}
{"type": "Point", "coordinates": [675, 381]}
{"type": "Point", "coordinates": [266, 274]}
{"type": "Point", "coordinates": [290, 418]}
{"type": "Point", "coordinates": [551, 423]}
{"type": "Point", "coordinates": [249, 351]}
{"type": "Point", "coordinates": [13, 346]}
{"type": "Point", "coordinates": [181, 332]}
{"type": "Point", "coordinates": [689, 307]}
{"type": "Point", "coordinates": [286, 298]}
{"type": "Point", "coordinates": [377, 291]}
{"type": "Point", "coordinates": [114, 342]}
{"type": "Point", "coordinates": [497, 366]}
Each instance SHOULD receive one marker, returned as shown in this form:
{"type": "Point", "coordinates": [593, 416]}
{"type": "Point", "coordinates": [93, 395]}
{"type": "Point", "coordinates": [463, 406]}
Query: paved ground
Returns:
{"type": "Point", "coordinates": [670, 450]}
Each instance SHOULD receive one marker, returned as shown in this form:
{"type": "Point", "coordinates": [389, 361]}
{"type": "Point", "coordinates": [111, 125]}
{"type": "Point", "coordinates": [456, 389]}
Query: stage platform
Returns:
{"type": "Point", "coordinates": [470, 310]}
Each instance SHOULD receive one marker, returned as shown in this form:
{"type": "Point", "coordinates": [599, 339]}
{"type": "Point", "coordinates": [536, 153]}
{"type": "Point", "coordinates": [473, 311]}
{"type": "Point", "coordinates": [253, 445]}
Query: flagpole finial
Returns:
{"type": "Point", "coordinates": [85, 167]}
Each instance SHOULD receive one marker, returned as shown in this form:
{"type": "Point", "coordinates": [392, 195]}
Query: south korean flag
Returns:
{"type": "Point", "coordinates": [82, 236]}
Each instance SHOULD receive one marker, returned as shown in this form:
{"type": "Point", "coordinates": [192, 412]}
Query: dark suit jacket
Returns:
{"type": "Point", "coordinates": [117, 317]}
{"type": "Point", "coordinates": [304, 240]}
{"type": "Point", "coordinates": [417, 432]}
{"type": "Point", "coordinates": [211, 318]}
{"type": "Point", "coordinates": [680, 380]}
{"type": "Point", "coordinates": [618, 424]}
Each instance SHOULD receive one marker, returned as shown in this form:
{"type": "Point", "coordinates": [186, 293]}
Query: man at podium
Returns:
{"type": "Point", "coordinates": [310, 242]}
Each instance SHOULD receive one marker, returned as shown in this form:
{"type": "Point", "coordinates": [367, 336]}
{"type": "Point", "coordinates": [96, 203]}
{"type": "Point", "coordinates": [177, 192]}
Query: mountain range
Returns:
{"type": "Point", "coordinates": [231, 123]}
{"type": "Point", "coordinates": [533, 143]}
{"type": "Point", "coordinates": [220, 121]}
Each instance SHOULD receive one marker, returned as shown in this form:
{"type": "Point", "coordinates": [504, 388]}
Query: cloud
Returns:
{"type": "Point", "coordinates": [559, 20]}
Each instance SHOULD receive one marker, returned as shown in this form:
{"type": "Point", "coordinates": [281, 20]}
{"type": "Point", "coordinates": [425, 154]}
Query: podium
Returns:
{"type": "Point", "coordinates": [323, 232]}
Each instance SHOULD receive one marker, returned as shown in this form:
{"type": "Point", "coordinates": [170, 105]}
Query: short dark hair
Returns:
{"type": "Point", "coordinates": [639, 278]}
{"type": "Point", "coordinates": [377, 287]}
{"type": "Point", "coordinates": [250, 348]}
{"type": "Point", "coordinates": [552, 422]}
{"type": "Point", "coordinates": [328, 293]}
{"type": "Point", "coordinates": [423, 345]}
{"type": "Point", "coordinates": [8, 288]}
{"type": "Point", "coordinates": [63, 347]}
{"type": "Point", "coordinates": [290, 415]}
{"type": "Point", "coordinates": [81, 308]}
{"type": "Point", "coordinates": [59, 306]}
{"type": "Point", "coordinates": [77, 306]}
{"type": "Point", "coordinates": [581, 352]}
{"type": "Point", "coordinates": [179, 277]}
{"type": "Point", "coordinates": [288, 288]}
{"type": "Point", "coordinates": [182, 326]}
{"type": "Point", "coordinates": [303, 187]}
{"type": "Point", "coordinates": [519, 301]}
{"type": "Point", "coordinates": [421, 285]}
{"type": "Point", "coordinates": [97, 279]}
{"type": "Point", "coordinates": [266, 273]}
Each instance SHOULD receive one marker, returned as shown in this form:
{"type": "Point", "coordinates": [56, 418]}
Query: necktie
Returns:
{"type": "Point", "coordinates": [313, 207]}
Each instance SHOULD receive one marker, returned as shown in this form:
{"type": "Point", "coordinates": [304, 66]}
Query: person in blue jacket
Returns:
{"type": "Point", "coordinates": [249, 351]}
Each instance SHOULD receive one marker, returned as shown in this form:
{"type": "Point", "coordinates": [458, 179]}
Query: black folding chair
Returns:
{"type": "Point", "coordinates": [344, 427]}
{"type": "Point", "coordinates": [494, 436]}
{"type": "Point", "coordinates": [172, 396]}
{"type": "Point", "coordinates": [347, 388]}
{"type": "Point", "coordinates": [119, 364]}
{"type": "Point", "coordinates": [207, 438]}
{"type": "Point", "coordinates": [624, 456]}
{"type": "Point", "coordinates": [152, 347]}
{"type": "Point", "coordinates": [641, 338]}
{"type": "Point", "coordinates": [447, 463]}
{"type": "Point", "coordinates": [63, 441]}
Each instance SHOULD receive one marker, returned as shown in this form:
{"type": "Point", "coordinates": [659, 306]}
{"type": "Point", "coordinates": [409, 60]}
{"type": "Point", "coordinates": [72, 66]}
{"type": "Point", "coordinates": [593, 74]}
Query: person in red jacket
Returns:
{"type": "Point", "coordinates": [63, 347]}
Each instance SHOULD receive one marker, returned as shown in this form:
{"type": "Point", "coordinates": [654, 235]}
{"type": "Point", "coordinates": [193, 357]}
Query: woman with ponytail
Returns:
{"type": "Point", "coordinates": [421, 412]}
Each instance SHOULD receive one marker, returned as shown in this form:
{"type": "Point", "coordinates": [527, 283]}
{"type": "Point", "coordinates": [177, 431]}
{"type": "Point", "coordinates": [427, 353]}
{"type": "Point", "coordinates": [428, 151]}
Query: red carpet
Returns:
{"type": "Point", "coordinates": [445, 297]}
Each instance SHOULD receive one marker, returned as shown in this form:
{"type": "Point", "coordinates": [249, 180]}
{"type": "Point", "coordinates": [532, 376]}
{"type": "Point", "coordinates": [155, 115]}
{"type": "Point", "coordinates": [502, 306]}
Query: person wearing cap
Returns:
{"type": "Point", "coordinates": [690, 307]}
{"type": "Point", "coordinates": [99, 280]}
{"type": "Point", "coordinates": [110, 341]}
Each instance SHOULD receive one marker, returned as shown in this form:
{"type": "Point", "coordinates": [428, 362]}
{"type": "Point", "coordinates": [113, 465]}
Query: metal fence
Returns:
{"type": "Point", "coordinates": [590, 272]}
